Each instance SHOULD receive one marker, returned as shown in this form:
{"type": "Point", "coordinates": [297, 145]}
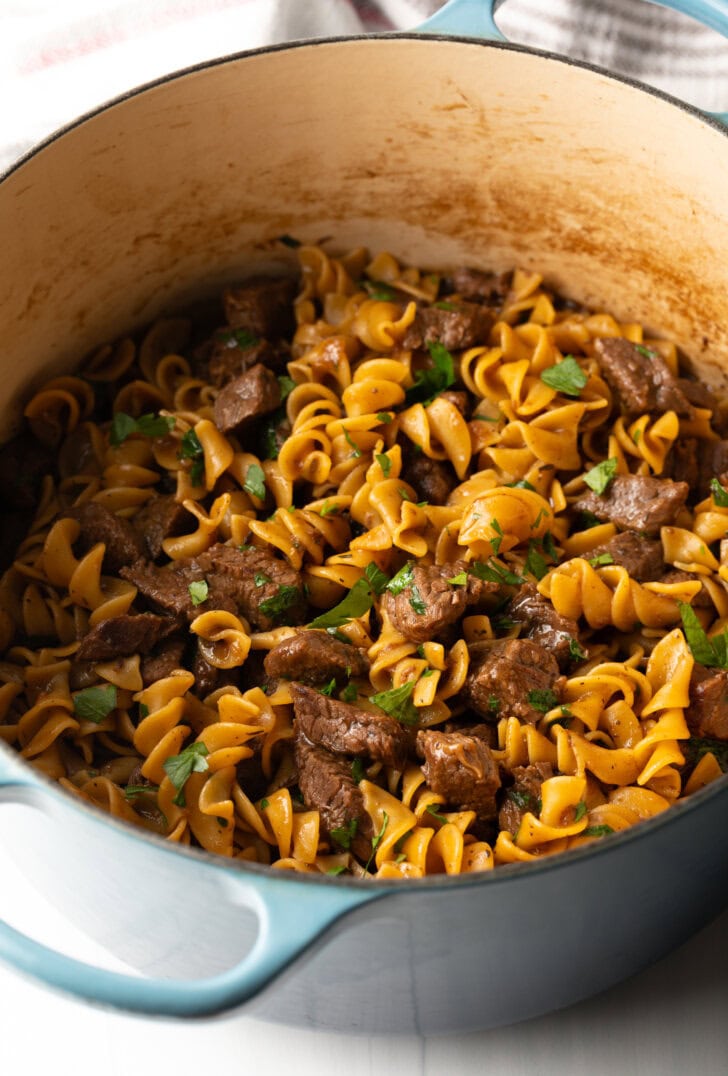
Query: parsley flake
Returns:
{"type": "Point", "coordinates": [356, 453]}
{"type": "Point", "coordinates": [720, 493]}
{"type": "Point", "coordinates": [344, 835]}
{"type": "Point", "coordinates": [191, 449]}
{"type": "Point", "coordinates": [601, 559]}
{"type": "Point", "coordinates": [286, 385]}
{"type": "Point", "coordinates": [179, 767]}
{"type": "Point", "coordinates": [255, 482]}
{"type": "Point", "coordinates": [378, 580]}
{"type": "Point", "coordinates": [431, 808]}
{"type": "Point", "coordinates": [199, 591]}
{"type": "Point", "coordinates": [575, 651]}
{"type": "Point", "coordinates": [403, 579]}
{"type": "Point", "coordinates": [597, 831]}
{"type": "Point", "coordinates": [397, 702]}
{"type": "Point", "coordinates": [566, 377]}
{"type": "Point", "coordinates": [377, 838]}
{"type": "Point", "coordinates": [580, 811]}
{"type": "Point", "coordinates": [330, 687]}
{"type": "Point", "coordinates": [277, 605]}
{"type": "Point", "coordinates": [599, 477]}
{"type": "Point", "coordinates": [385, 463]}
{"type": "Point", "coordinates": [428, 383]}
{"type": "Point", "coordinates": [384, 417]}
{"type": "Point", "coordinates": [357, 602]}
{"type": "Point", "coordinates": [713, 651]}
{"type": "Point", "coordinates": [543, 701]}
{"type": "Point", "coordinates": [358, 770]}
{"type": "Point", "coordinates": [459, 580]}
{"type": "Point", "coordinates": [95, 703]}
{"type": "Point", "coordinates": [123, 426]}
{"type": "Point", "coordinates": [417, 601]}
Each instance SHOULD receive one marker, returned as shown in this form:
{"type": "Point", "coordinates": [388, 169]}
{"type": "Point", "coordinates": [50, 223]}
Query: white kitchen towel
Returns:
{"type": "Point", "coordinates": [58, 60]}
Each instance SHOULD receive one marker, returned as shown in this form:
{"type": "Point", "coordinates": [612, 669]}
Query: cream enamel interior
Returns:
{"type": "Point", "coordinates": [441, 151]}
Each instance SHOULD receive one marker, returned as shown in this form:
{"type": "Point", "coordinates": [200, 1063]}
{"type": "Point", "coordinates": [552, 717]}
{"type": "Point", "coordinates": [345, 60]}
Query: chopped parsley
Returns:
{"type": "Point", "coordinates": [522, 799]}
{"type": "Point", "coordinates": [720, 493]}
{"type": "Point", "coordinates": [566, 377]}
{"type": "Point", "coordinates": [255, 481]}
{"type": "Point", "coordinates": [712, 651]}
{"type": "Point", "coordinates": [123, 426]}
{"type": "Point", "coordinates": [356, 453]}
{"type": "Point", "coordinates": [644, 351]}
{"type": "Point", "coordinates": [357, 602]}
{"type": "Point", "coordinates": [277, 605]}
{"type": "Point", "coordinates": [241, 338]}
{"type": "Point", "coordinates": [599, 477]}
{"type": "Point", "coordinates": [143, 711]}
{"type": "Point", "coordinates": [575, 651]}
{"type": "Point", "coordinates": [344, 835]}
{"type": "Point", "coordinates": [417, 601]}
{"type": "Point", "coordinates": [191, 449]}
{"type": "Point", "coordinates": [264, 803]}
{"type": "Point", "coordinates": [596, 831]}
{"type": "Point", "coordinates": [535, 563]}
{"type": "Point", "coordinates": [385, 463]}
{"type": "Point", "coordinates": [377, 578]}
{"type": "Point", "coordinates": [350, 693]}
{"type": "Point", "coordinates": [261, 579]}
{"type": "Point", "coordinates": [335, 871]}
{"type": "Point", "coordinates": [493, 704]}
{"type": "Point", "coordinates": [397, 702]}
{"type": "Point", "coordinates": [522, 483]}
{"type": "Point", "coordinates": [179, 767]}
{"type": "Point", "coordinates": [286, 385]}
{"type": "Point", "coordinates": [431, 808]}
{"type": "Point", "coordinates": [495, 543]}
{"type": "Point", "coordinates": [384, 417]}
{"type": "Point", "coordinates": [440, 376]}
{"type": "Point", "coordinates": [543, 701]}
{"type": "Point", "coordinates": [459, 580]}
{"type": "Point", "coordinates": [327, 509]}
{"type": "Point", "coordinates": [601, 559]}
{"type": "Point", "coordinates": [403, 579]}
{"type": "Point", "coordinates": [132, 791]}
{"type": "Point", "coordinates": [330, 687]}
{"type": "Point", "coordinates": [379, 290]}
{"type": "Point", "coordinates": [697, 746]}
{"type": "Point", "coordinates": [377, 838]}
{"type": "Point", "coordinates": [442, 305]}
{"type": "Point", "coordinates": [199, 591]}
{"type": "Point", "coordinates": [95, 703]}
{"type": "Point", "coordinates": [580, 811]}
{"type": "Point", "coordinates": [495, 573]}
{"type": "Point", "coordinates": [585, 521]}
{"type": "Point", "coordinates": [358, 770]}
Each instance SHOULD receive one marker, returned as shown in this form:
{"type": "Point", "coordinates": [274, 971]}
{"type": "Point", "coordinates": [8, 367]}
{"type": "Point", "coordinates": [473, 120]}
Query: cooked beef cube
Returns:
{"type": "Point", "coordinates": [162, 517]}
{"type": "Point", "coordinates": [23, 463]}
{"type": "Point", "coordinates": [461, 769]}
{"type": "Point", "coordinates": [641, 383]}
{"type": "Point", "coordinates": [683, 463]}
{"type": "Point", "coordinates": [262, 305]}
{"type": "Point", "coordinates": [422, 610]}
{"type": "Point", "coordinates": [433, 480]}
{"type": "Point", "coordinates": [163, 660]}
{"type": "Point", "coordinates": [98, 524]}
{"type": "Point", "coordinates": [231, 355]}
{"type": "Point", "coordinates": [698, 394]}
{"type": "Point", "coordinates": [478, 286]}
{"type": "Point", "coordinates": [122, 635]}
{"type": "Point", "coordinates": [467, 324]}
{"type": "Point", "coordinates": [232, 574]}
{"type": "Point", "coordinates": [707, 714]}
{"type": "Point", "coordinates": [524, 795]}
{"type": "Point", "coordinates": [508, 677]}
{"type": "Point", "coordinates": [642, 557]}
{"type": "Point", "coordinates": [82, 674]}
{"type": "Point", "coordinates": [252, 395]}
{"type": "Point", "coordinates": [543, 624]}
{"type": "Point", "coordinates": [713, 463]}
{"type": "Point", "coordinates": [314, 657]}
{"type": "Point", "coordinates": [458, 399]}
{"type": "Point", "coordinates": [168, 588]}
{"type": "Point", "coordinates": [348, 730]}
{"type": "Point", "coordinates": [487, 733]}
{"type": "Point", "coordinates": [327, 786]}
{"type": "Point", "coordinates": [637, 502]}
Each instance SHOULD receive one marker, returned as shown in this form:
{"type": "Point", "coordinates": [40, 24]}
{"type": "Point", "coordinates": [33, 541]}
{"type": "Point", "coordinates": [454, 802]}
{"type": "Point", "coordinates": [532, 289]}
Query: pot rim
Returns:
{"type": "Point", "coordinates": [403, 35]}
{"type": "Point", "coordinates": [44, 784]}
{"type": "Point", "coordinates": [506, 872]}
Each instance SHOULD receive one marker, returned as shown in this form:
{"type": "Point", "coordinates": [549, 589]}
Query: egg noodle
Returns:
{"type": "Point", "coordinates": [526, 424]}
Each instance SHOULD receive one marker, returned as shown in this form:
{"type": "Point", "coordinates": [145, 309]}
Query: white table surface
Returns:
{"type": "Point", "coordinates": [671, 1019]}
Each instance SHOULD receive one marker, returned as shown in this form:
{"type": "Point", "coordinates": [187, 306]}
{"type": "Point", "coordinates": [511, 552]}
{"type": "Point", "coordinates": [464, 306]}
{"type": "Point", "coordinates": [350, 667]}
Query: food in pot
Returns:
{"type": "Point", "coordinates": [373, 571]}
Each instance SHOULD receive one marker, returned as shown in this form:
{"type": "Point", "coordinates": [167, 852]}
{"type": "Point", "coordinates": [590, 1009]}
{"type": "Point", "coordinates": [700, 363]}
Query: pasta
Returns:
{"type": "Point", "coordinates": [397, 573]}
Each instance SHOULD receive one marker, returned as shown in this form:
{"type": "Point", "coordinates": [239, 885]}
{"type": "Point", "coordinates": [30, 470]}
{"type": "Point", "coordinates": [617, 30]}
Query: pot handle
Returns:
{"type": "Point", "coordinates": [282, 937]}
{"type": "Point", "coordinates": [474, 18]}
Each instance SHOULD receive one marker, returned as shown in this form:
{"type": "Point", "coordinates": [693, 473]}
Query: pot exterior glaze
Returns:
{"type": "Point", "coordinates": [443, 152]}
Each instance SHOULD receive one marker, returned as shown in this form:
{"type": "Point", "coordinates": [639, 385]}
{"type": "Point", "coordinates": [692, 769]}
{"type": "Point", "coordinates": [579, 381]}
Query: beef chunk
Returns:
{"type": "Point", "coordinates": [314, 657]}
{"type": "Point", "coordinates": [478, 286]}
{"type": "Point", "coordinates": [231, 578]}
{"type": "Point", "coordinates": [327, 786]}
{"type": "Point", "coordinates": [683, 463]}
{"type": "Point", "coordinates": [429, 604]}
{"type": "Point", "coordinates": [23, 463]}
{"type": "Point", "coordinates": [458, 399]}
{"type": "Point", "coordinates": [98, 524]}
{"type": "Point", "coordinates": [637, 502]}
{"type": "Point", "coordinates": [163, 660]}
{"type": "Point", "coordinates": [504, 676]}
{"type": "Point", "coordinates": [232, 573]}
{"type": "Point", "coordinates": [433, 480]}
{"type": "Point", "coordinates": [162, 517]}
{"type": "Point", "coordinates": [698, 394]}
{"type": "Point", "coordinates": [465, 325]}
{"type": "Point", "coordinates": [122, 635]}
{"type": "Point", "coordinates": [524, 795]}
{"type": "Point", "coordinates": [209, 678]}
{"type": "Point", "coordinates": [543, 624]}
{"type": "Point", "coordinates": [641, 382]}
{"type": "Point", "coordinates": [233, 352]}
{"type": "Point", "coordinates": [642, 557]}
{"type": "Point", "coordinates": [707, 715]}
{"type": "Point", "coordinates": [253, 394]}
{"type": "Point", "coordinates": [262, 305]}
{"type": "Point", "coordinates": [348, 730]}
{"type": "Point", "coordinates": [461, 769]}
{"type": "Point", "coordinates": [713, 463]}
